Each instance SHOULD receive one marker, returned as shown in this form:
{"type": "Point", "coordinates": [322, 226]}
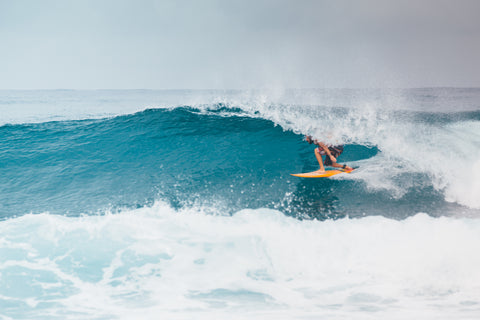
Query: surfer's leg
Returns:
{"type": "Point", "coordinates": [336, 165]}
{"type": "Point", "coordinates": [320, 160]}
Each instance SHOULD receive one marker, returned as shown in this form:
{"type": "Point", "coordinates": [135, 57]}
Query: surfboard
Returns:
{"type": "Point", "coordinates": [316, 174]}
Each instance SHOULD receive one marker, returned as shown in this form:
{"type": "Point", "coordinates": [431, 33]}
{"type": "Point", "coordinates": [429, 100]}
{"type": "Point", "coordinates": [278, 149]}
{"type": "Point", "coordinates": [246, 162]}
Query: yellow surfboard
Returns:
{"type": "Point", "coordinates": [317, 174]}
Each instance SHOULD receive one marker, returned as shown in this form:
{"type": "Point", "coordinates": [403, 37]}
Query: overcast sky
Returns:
{"type": "Point", "coordinates": [209, 44]}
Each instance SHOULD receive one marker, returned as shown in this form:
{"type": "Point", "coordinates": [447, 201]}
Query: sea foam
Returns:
{"type": "Point", "coordinates": [157, 261]}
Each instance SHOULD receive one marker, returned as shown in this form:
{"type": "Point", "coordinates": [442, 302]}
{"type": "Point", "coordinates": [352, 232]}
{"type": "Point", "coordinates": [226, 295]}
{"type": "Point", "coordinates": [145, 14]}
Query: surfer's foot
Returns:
{"type": "Point", "coordinates": [345, 168]}
{"type": "Point", "coordinates": [320, 171]}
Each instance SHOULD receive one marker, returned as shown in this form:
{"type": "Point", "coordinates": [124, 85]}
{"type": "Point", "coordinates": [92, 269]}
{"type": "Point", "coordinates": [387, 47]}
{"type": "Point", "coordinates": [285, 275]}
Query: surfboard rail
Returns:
{"type": "Point", "coordinates": [318, 174]}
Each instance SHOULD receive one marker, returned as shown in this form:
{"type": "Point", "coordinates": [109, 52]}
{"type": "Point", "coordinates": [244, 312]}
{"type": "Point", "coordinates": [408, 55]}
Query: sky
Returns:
{"type": "Point", "coordinates": [238, 44]}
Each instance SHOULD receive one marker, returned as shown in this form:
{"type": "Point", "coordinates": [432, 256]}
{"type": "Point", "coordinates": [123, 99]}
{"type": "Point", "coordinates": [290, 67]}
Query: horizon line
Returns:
{"type": "Point", "coordinates": [244, 89]}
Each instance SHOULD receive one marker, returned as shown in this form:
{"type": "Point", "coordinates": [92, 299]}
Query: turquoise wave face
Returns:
{"type": "Point", "coordinates": [218, 158]}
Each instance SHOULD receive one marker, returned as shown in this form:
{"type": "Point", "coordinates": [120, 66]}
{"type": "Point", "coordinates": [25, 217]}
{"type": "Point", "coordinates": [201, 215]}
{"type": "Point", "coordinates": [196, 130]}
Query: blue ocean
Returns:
{"type": "Point", "coordinates": [179, 204]}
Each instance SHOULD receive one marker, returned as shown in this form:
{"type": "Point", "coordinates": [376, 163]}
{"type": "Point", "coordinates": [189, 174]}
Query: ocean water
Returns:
{"type": "Point", "coordinates": [141, 204]}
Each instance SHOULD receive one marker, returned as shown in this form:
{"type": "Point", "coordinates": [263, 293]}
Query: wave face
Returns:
{"type": "Point", "coordinates": [238, 157]}
{"type": "Point", "coordinates": [180, 203]}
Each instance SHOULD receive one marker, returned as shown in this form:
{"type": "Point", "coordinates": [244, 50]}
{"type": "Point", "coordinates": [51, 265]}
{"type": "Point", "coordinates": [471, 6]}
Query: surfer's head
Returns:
{"type": "Point", "coordinates": [309, 139]}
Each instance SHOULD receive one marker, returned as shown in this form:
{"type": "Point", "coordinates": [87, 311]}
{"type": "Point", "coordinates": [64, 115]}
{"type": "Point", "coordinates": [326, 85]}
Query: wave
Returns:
{"type": "Point", "coordinates": [186, 209]}
{"type": "Point", "coordinates": [158, 261]}
{"type": "Point", "coordinates": [241, 157]}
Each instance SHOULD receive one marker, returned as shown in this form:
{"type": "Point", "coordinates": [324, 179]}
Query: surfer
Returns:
{"type": "Point", "coordinates": [331, 154]}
